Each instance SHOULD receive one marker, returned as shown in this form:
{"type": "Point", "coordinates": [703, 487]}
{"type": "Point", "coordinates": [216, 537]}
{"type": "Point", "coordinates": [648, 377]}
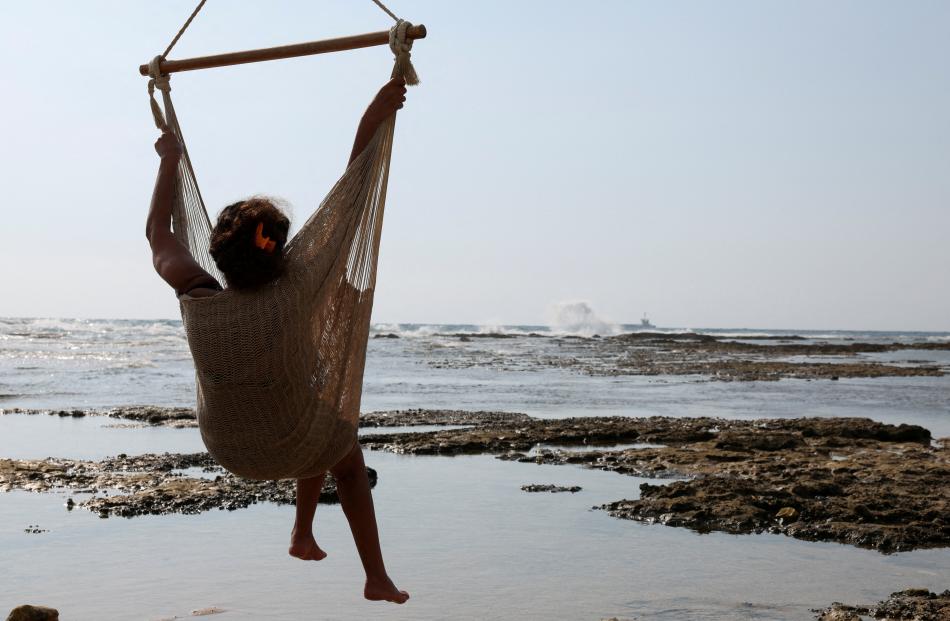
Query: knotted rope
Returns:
{"type": "Point", "coordinates": [161, 82]}
{"type": "Point", "coordinates": [401, 46]}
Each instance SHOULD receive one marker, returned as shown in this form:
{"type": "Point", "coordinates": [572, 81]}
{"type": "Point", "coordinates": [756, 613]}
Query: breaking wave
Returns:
{"type": "Point", "coordinates": [578, 318]}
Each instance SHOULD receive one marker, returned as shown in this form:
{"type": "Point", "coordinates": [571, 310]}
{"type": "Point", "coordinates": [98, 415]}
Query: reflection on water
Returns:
{"type": "Point", "coordinates": [92, 437]}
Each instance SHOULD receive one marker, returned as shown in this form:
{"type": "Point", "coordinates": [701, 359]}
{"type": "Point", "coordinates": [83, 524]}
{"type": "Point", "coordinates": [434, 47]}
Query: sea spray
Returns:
{"type": "Point", "coordinates": [577, 317]}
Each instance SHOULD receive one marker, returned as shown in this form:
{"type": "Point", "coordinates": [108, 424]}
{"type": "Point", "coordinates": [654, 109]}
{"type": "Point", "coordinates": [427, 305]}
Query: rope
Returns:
{"type": "Point", "coordinates": [160, 81]}
{"type": "Point", "coordinates": [385, 8]}
{"type": "Point", "coordinates": [401, 46]}
{"type": "Point", "coordinates": [185, 27]}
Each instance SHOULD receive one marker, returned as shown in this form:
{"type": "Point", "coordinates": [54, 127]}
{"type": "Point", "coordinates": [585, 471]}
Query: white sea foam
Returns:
{"type": "Point", "coordinates": [576, 317]}
{"type": "Point", "coordinates": [503, 329]}
{"type": "Point", "coordinates": [428, 330]}
{"type": "Point", "coordinates": [385, 328]}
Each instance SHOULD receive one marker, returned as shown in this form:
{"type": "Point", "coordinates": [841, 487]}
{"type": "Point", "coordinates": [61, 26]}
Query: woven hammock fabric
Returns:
{"type": "Point", "coordinates": [279, 369]}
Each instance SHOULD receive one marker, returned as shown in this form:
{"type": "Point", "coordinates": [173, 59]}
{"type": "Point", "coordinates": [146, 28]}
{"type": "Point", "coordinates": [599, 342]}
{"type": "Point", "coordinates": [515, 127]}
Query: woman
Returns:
{"type": "Point", "coordinates": [247, 244]}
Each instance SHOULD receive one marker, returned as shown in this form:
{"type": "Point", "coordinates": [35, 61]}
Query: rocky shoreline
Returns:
{"type": "Point", "coordinates": [155, 416]}
{"type": "Point", "coordinates": [712, 358]}
{"type": "Point", "coordinates": [849, 480]}
{"type": "Point", "coordinates": [150, 484]}
{"type": "Point", "coordinates": [907, 605]}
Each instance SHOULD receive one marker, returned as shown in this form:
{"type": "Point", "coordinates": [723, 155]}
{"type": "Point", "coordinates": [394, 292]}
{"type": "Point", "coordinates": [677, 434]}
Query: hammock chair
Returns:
{"type": "Point", "coordinates": [279, 369]}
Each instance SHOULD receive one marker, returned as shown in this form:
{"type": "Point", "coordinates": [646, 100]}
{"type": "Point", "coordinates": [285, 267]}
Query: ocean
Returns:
{"type": "Point", "coordinates": [458, 532]}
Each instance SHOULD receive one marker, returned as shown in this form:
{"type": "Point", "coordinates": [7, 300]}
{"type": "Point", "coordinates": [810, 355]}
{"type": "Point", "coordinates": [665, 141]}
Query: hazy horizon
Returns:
{"type": "Point", "coordinates": [729, 165]}
{"type": "Point", "coordinates": [612, 327]}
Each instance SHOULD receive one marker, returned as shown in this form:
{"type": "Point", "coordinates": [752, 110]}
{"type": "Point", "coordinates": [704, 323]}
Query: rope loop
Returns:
{"type": "Point", "coordinates": [401, 46]}
{"type": "Point", "coordinates": [160, 81]}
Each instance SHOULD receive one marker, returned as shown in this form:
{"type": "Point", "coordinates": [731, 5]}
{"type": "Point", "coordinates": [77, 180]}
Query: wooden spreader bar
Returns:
{"type": "Point", "coordinates": [284, 51]}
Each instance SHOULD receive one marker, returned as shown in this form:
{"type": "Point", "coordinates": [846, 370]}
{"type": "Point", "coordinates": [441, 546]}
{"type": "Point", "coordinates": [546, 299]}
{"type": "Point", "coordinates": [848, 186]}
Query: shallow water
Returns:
{"type": "Point", "coordinates": [49, 363]}
{"type": "Point", "coordinates": [92, 437]}
{"type": "Point", "coordinates": [458, 533]}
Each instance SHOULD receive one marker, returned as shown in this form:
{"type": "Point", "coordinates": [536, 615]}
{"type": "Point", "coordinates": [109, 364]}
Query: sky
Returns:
{"type": "Point", "coordinates": [713, 164]}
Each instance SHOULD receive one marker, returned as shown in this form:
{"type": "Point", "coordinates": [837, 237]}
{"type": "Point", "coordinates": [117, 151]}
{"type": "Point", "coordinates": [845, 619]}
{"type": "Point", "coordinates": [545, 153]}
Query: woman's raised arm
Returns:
{"type": "Point", "coordinates": [389, 99]}
{"type": "Point", "coordinates": [170, 258]}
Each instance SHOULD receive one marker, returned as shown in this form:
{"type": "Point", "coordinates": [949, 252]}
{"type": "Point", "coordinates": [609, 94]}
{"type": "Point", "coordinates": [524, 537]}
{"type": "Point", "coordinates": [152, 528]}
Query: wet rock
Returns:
{"type": "Point", "coordinates": [916, 604]}
{"type": "Point", "coordinates": [837, 428]}
{"type": "Point", "coordinates": [883, 499]}
{"type": "Point", "coordinates": [27, 612]}
{"type": "Point", "coordinates": [482, 335]}
{"type": "Point", "coordinates": [501, 435]}
{"type": "Point", "coordinates": [908, 605]}
{"type": "Point", "coordinates": [663, 337]}
{"type": "Point", "coordinates": [128, 486]}
{"type": "Point", "coordinates": [203, 612]}
{"type": "Point", "coordinates": [416, 417]}
{"type": "Point", "coordinates": [387, 335]}
{"type": "Point", "coordinates": [787, 513]}
{"type": "Point", "coordinates": [154, 415]}
{"type": "Point", "coordinates": [884, 487]}
{"type": "Point", "coordinates": [706, 356]}
{"type": "Point", "coordinates": [554, 489]}
{"type": "Point", "coordinates": [752, 441]}
{"type": "Point", "coordinates": [839, 612]}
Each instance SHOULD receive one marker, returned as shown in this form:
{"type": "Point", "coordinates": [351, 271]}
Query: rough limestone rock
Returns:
{"type": "Point", "coordinates": [27, 612]}
{"type": "Point", "coordinates": [554, 489]}
{"type": "Point", "coordinates": [907, 605]}
{"type": "Point", "coordinates": [851, 480]}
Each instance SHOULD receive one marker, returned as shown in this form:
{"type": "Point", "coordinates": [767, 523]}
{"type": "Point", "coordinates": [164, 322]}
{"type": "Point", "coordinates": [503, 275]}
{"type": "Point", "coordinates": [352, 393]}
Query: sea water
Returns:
{"type": "Point", "coordinates": [458, 532]}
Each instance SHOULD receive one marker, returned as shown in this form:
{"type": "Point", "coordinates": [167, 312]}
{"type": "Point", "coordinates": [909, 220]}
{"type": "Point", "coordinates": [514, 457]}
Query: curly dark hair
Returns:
{"type": "Point", "coordinates": [244, 264]}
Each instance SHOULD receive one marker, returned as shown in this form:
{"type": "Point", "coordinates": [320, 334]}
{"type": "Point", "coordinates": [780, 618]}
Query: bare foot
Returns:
{"type": "Point", "coordinates": [306, 548]}
{"type": "Point", "coordinates": [384, 590]}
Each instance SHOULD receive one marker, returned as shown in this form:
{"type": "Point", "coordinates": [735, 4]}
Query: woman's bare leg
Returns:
{"type": "Point", "coordinates": [353, 488]}
{"type": "Point", "coordinates": [302, 543]}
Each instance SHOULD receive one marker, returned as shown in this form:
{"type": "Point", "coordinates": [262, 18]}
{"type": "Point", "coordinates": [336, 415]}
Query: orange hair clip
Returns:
{"type": "Point", "coordinates": [261, 241]}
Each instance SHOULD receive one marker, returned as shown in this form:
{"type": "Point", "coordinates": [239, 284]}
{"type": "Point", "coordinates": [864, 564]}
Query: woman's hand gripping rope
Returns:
{"type": "Point", "coordinates": [390, 98]}
{"type": "Point", "coordinates": [169, 147]}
